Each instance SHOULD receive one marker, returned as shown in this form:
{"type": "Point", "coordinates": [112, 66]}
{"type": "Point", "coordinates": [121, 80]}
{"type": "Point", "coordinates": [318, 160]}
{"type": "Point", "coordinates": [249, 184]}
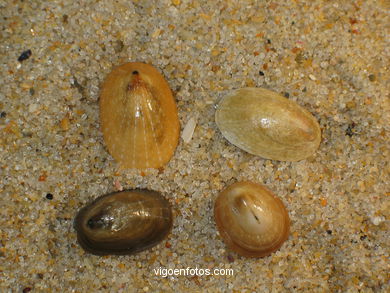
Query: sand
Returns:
{"type": "Point", "coordinates": [331, 57]}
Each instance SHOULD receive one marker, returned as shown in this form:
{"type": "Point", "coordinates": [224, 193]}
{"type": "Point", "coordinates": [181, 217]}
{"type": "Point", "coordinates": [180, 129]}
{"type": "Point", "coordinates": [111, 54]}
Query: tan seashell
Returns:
{"type": "Point", "coordinates": [266, 124]}
{"type": "Point", "coordinates": [138, 116]}
{"type": "Point", "coordinates": [251, 219]}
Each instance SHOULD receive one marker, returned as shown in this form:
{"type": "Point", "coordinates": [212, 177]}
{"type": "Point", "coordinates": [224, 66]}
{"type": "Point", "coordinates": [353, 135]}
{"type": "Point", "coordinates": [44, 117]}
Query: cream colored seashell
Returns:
{"type": "Point", "coordinates": [266, 124]}
{"type": "Point", "coordinates": [138, 116]}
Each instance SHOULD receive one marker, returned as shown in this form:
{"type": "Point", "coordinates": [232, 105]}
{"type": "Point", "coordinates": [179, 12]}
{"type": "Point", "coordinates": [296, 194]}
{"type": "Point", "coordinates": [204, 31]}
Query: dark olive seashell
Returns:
{"type": "Point", "coordinates": [124, 222]}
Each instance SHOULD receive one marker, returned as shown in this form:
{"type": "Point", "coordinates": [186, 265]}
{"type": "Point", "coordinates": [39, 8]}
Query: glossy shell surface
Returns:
{"type": "Point", "coordinates": [266, 124]}
{"type": "Point", "coordinates": [124, 222]}
{"type": "Point", "coordinates": [251, 219]}
{"type": "Point", "coordinates": [138, 117]}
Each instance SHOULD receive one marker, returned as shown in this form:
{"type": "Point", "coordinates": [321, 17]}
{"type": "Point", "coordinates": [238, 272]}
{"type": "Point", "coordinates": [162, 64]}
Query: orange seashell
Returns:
{"type": "Point", "coordinates": [138, 116]}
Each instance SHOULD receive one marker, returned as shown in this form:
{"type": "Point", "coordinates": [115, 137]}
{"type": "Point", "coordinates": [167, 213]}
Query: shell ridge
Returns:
{"type": "Point", "coordinates": [134, 133]}
{"type": "Point", "coordinates": [154, 134]}
{"type": "Point", "coordinates": [146, 149]}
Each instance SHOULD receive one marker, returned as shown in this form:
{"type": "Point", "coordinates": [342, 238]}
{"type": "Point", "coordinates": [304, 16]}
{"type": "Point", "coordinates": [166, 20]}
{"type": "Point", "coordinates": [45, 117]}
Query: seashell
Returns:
{"type": "Point", "coordinates": [124, 222]}
{"type": "Point", "coordinates": [188, 130]}
{"type": "Point", "coordinates": [138, 117]}
{"type": "Point", "coordinates": [264, 123]}
{"type": "Point", "coordinates": [251, 219]}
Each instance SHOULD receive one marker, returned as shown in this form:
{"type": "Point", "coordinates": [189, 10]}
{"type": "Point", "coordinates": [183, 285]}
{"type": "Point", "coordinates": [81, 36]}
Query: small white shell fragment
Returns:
{"type": "Point", "coordinates": [188, 130]}
{"type": "Point", "coordinates": [377, 220]}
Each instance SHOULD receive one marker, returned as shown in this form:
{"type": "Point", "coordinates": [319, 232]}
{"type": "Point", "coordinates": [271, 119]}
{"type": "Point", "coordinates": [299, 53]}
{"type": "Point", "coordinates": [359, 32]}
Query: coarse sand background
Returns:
{"type": "Point", "coordinates": [331, 57]}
